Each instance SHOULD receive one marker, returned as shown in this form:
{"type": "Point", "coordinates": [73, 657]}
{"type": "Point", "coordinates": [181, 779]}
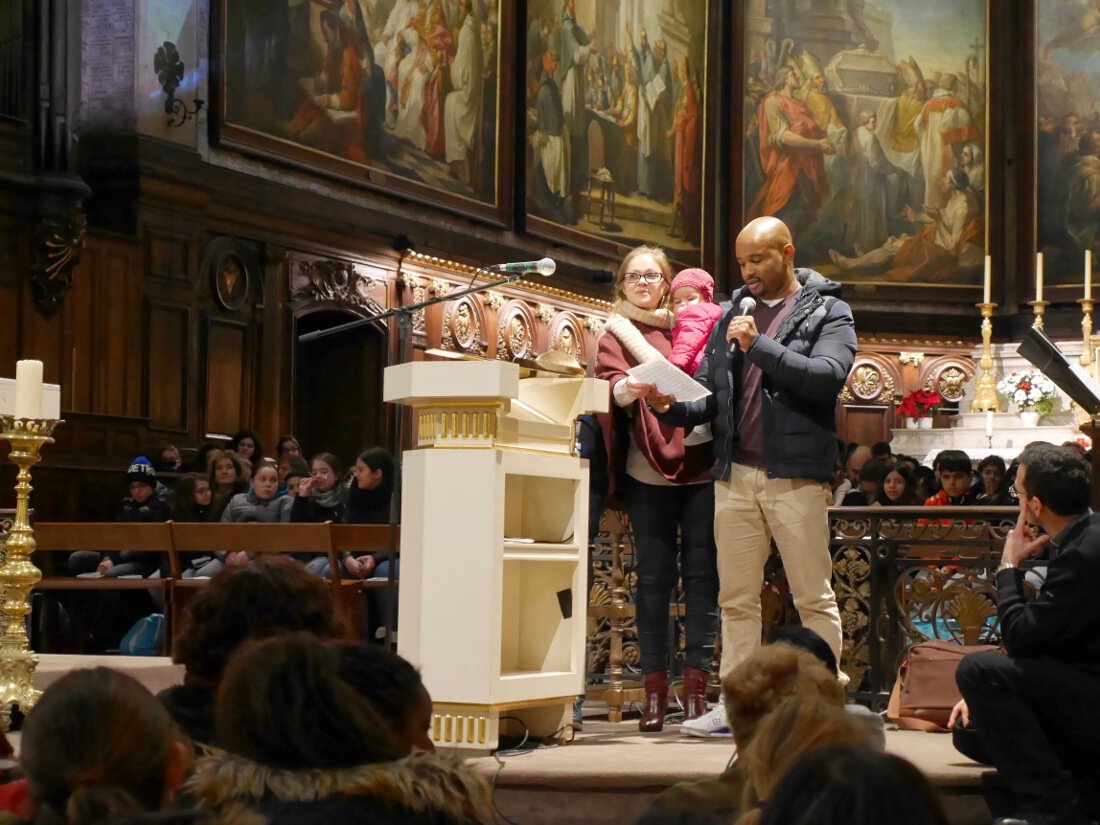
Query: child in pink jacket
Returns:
{"type": "Point", "coordinates": [696, 314]}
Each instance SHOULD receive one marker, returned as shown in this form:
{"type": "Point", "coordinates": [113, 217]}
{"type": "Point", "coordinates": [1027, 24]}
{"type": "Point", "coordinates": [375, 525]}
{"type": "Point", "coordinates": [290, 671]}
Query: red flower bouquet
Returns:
{"type": "Point", "coordinates": [919, 403]}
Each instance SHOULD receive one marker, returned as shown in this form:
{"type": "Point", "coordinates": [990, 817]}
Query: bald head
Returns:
{"type": "Point", "coordinates": [765, 253]}
{"type": "Point", "coordinates": [859, 457]}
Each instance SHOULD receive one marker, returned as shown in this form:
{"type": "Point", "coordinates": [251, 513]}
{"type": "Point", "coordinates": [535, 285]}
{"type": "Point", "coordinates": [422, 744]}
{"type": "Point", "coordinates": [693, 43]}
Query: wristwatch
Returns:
{"type": "Point", "coordinates": [1004, 565]}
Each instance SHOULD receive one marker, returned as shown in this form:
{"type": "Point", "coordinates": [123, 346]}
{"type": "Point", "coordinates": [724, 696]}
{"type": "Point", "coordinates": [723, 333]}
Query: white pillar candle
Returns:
{"type": "Point", "coordinates": [989, 423]}
{"type": "Point", "coordinates": [28, 389]}
{"type": "Point", "coordinates": [1088, 274]}
{"type": "Point", "coordinates": [988, 278]}
{"type": "Point", "coordinates": [1039, 277]}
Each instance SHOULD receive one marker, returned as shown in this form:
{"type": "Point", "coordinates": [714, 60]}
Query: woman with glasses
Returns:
{"type": "Point", "coordinates": [665, 486]}
{"type": "Point", "coordinates": [321, 497]}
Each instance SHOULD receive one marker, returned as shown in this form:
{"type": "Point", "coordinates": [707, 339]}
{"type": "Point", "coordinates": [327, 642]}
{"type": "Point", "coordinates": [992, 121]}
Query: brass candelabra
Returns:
{"type": "Point", "coordinates": [985, 390]}
{"type": "Point", "coordinates": [17, 573]}
{"type": "Point", "coordinates": [1039, 308]}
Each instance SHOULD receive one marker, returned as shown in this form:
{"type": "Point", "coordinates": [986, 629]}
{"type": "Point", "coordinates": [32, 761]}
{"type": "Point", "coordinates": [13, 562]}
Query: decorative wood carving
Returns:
{"type": "Point", "coordinates": [462, 327]}
{"type": "Point", "coordinates": [515, 325]}
{"type": "Point", "coordinates": [948, 376]}
{"type": "Point", "coordinates": [336, 281]}
{"type": "Point", "coordinates": [565, 335]}
{"type": "Point", "coordinates": [873, 379]}
{"type": "Point", "coordinates": [57, 251]}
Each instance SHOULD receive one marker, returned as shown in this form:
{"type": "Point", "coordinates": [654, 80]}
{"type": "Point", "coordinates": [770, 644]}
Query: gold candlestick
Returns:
{"type": "Point", "coordinates": [1038, 307]}
{"type": "Point", "coordinates": [17, 573]}
{"type": "Point", "coordinates": [1086, 331]}
{"type": "Point", "coordinates": [985, 394]}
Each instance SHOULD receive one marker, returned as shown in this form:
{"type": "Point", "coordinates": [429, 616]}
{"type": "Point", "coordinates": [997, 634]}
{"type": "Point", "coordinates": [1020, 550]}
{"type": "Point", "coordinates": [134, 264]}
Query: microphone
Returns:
{"type": "Point", "coordinates": [544, 267]}
{"type": "Point", "coordinates": [745, 307]}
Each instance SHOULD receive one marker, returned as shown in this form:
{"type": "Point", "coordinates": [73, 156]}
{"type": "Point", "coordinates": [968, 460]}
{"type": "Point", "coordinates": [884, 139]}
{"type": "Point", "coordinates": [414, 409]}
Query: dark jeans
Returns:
{"type": "Point", "coordinates": [1038, 722]}
{"type": "Point", "coordinates": [656, 514]}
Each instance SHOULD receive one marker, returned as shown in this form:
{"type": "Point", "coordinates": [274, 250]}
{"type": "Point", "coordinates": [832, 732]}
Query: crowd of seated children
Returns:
{"type": "Point", "coordinates": [868, 486]}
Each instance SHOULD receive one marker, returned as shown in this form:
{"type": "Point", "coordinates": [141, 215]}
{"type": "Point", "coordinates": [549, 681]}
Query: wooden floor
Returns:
{"type": "Point", "coordinates": [610, 773]}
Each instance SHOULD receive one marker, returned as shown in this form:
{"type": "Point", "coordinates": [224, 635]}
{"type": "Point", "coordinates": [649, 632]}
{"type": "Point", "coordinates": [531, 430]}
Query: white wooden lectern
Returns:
{"type": "Point", "coordinates": [494, 543]}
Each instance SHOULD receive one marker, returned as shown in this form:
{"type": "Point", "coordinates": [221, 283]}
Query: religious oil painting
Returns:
{"type": "Point", "coordinates": [617, 122]}
{"type": "Point", "coordinates": [865, 131]}
{"type": "Point", "coordinates": [403, 95]}
{"type": "Point", "coordinates": [1067, 143]}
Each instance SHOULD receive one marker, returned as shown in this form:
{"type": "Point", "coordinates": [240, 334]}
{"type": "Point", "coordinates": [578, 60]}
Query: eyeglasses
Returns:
{"type": "Point", "coordinates": [1012, 491]}
{"type": "Point", "coordinates": [649, 277]}
{"type": "Point", "coordinates": [321, 473]}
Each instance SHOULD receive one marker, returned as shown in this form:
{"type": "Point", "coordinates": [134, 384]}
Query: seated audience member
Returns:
{"type": "Point", "coordinates": [262, 503]}
{"type": "Point", "coordinates": [246, 444]}
{"type": "Point", "coordinates": [285, 465]}
{"type": "Point", "coordinates": [857, 457]}
{"type": "Point", "coordinates": [754, 689]}
{"type": "Point", "coordinates": [926, 482]}
{"type": "Point", "coordinates": [849, 784]}
{"type": "Point", "coordinates": [370, 501]}
{"type": "Point", "coordinates": [140, 506]}
{"type": "Point", "coordinates": [1034, 711]}
{"type": "Point", "coordinates": [288, 445]}
{"type": "Point", "coordinates": [98, 747]}
{"type": "Point", "coordinates": [955, 474]}
{"type": "Point", "coordinates": [321, 497]}
{"type": "Point", "coordinates": [202, 456]}
{"type": "Point", "coordinates": [168, 459]}
{"type": "Point", "coordinates": [991, 486]}
{"type": "Point", "coordinates": [899, 487]}
{"type": "Point", "coordinates": [303, 745]}
{"type": "Point", "coordinates": [395, 689]}
{"type": "Point", "coordinates": [867, 490]}
{"type": "Point", "coordinates": [192, 499]}
{"type": "Point", "coordinates": [273, 595]}
{"type": "Point", "coordinates": [799, 724]}
{"type": "Point", "coordinates": [880, 451]}
{"type": "Point", "coordinates": [228, 477]}
{"type": "Point", "coordinates": [810, 641]}
{"type": "Point", "coordinates": [192, 503]}
{"type": "Point", "coordinates": [296, 471]}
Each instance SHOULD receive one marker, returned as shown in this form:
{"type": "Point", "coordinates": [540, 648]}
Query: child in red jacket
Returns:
{"type": "Point", "coordinates": [696, 314]}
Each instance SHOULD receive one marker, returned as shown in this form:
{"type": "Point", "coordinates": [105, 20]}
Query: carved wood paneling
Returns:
{"type": "Point", "coordinates": [227, 378]}
{"type": "Point", "coordinates": [169, 371]}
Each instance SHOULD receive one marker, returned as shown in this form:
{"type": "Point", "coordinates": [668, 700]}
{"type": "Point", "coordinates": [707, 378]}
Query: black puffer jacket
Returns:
{"type": "Point", "coordinates": [804, 365]}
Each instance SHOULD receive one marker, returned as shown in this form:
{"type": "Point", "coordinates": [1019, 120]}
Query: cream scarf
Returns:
{"type": "Point", "coordinates": [620, 323]}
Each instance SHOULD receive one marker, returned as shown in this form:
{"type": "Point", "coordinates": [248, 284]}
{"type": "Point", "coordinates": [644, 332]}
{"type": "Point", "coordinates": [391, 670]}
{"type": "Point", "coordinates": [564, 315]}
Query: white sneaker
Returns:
{"type": "Point", "coordinates": [711, 723]}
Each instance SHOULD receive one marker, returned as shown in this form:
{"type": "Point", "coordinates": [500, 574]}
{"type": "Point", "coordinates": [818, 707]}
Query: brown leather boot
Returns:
{"type": "Point", "coordinates": [695, 693]}
{"type": "Point", "coordinates": [656, 702]}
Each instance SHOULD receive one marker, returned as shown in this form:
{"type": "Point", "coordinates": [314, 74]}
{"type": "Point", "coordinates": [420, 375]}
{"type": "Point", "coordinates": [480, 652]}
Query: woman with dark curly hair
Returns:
{"type": "Point", "coordinates": [272, 595]}
{"type": "Point", "coordinates": [246, 444]}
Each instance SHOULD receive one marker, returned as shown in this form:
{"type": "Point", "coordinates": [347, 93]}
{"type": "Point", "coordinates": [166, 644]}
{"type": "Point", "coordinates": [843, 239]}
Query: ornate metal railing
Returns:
{"type": "Point", "coordinates": [907, 574]}
{"type": "Point", "coordinates": [901, 574]}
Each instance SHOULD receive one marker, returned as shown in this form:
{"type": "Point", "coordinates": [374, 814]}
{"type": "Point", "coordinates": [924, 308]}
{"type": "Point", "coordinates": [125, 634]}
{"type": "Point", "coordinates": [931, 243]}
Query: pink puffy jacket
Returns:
{"type": "Point", "coordinates": [689, 336]}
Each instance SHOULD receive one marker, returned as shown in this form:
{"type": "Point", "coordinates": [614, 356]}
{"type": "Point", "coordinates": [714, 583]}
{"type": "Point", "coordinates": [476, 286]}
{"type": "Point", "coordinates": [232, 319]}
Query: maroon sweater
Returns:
{"type": "Point", "coordinates": [661, 444]}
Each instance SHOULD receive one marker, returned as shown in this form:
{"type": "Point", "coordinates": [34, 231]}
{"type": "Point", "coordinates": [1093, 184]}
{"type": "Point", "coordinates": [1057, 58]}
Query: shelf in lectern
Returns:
{"type": "Point", "coordinates": [517, 675]}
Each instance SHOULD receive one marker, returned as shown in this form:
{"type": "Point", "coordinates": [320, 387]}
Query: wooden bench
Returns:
{"type": "Point", "coordinates": [100, 537]}
{"type": "Point", "coordinates": [361, 539]}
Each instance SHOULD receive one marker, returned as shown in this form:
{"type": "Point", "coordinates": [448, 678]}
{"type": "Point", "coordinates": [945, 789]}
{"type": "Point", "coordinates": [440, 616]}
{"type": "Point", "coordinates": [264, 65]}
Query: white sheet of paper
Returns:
{"type": "Point", "coordinates": [669, 380]}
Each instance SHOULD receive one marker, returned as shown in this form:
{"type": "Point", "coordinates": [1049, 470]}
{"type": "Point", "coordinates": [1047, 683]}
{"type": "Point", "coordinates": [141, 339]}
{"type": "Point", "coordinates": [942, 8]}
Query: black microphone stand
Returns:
{"type": "Point", "coordinates": [403, 316]}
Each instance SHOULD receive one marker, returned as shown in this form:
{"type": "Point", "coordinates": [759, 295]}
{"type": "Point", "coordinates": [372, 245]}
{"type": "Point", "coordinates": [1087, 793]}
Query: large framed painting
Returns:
{"type": "Point", "coordinates": [407, 96]}
{"type": "Point", "coordinates": [619, 123]}
{"type": "Point", "coordinates": [1067, 139]}
{"type": "Point", "coordinates": [865, 126]}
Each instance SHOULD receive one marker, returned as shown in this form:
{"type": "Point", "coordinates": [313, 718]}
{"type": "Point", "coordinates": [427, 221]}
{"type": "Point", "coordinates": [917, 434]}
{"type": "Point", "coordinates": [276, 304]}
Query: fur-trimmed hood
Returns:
{"type": "Point", "coordinates": [421, 787]}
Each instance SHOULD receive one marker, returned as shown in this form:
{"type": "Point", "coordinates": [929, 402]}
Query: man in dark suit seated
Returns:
{"type": "Point", "coordinates": [1035, 712]}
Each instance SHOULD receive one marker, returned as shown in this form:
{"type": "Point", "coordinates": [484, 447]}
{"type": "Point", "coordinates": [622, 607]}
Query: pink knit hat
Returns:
{"type": "Point", "coordinates": [698, 278]}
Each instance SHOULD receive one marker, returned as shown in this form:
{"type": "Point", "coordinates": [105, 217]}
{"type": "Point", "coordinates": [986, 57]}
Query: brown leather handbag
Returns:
{"type": "Point", "coordinates": [925, 692]}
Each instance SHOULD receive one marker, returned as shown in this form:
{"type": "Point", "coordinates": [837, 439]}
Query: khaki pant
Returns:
{"type": "Point", "coordinates": [749, 511]}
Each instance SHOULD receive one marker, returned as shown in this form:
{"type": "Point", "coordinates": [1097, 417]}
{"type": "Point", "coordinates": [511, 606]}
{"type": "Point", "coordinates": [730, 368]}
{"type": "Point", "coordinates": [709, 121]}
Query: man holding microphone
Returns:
{"type": "Point", "coordinates": [774, 366]}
